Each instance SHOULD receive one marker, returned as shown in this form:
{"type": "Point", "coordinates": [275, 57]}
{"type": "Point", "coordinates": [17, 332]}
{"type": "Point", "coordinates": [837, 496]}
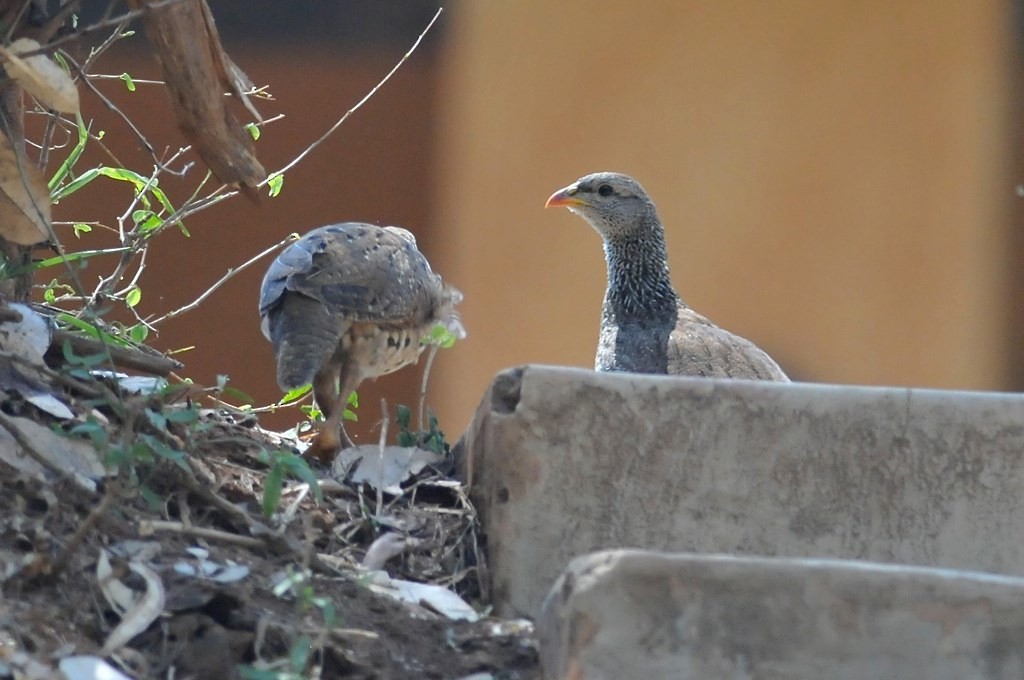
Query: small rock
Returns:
{"type": "Point", "coordinates": [635, 614]}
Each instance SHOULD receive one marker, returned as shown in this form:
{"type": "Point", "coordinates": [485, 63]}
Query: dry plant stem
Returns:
{"type": "Point", "coordinates": [45, 145]}
{"type": "Point", "coordinates": [63, 558]}
{"type": "Point", "coordinates": [405, 57]}
{"type": "Point", "coordinates": [84, 389]}
{"type": "Point", "coordinates": [119, 357]}
{"type": "Point", "coordinates": [12, 22]}
{"type": "Point", "coordinates": [275, 542]}
{"type": "Point", "coordinates": [8, 314]}
{"type": "Point", "coordinates": [36, 455]}
{"type": "Point", "coordinates": [152, 526]}
{"type": "Point", "coordinates": [112, 106]}
{"type": "Point", "coordinates": [222, 192]}
{"type": "Point", "coordinates": [384, 423]}
{"type": "Point", "coordinates": [231, 273]}
{"type": "Point", "coordinates": [431, 353]}
{"type": "Point", "coordinates": [98, 26]}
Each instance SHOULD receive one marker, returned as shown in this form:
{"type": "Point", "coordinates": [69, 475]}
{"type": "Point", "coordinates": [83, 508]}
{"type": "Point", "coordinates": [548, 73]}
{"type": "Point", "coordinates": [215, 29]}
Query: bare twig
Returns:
{"type": "Point", "coordinates": [98, 26]}
{"type": "Point", "coordinates": [431, 353]}
{"type": "Point", "coordinates": [111, 105]}
{"type": "Point", "coordinates": [147, 527]}
{"type": "Point", "coordinates": [405, 57]}
{"type": "Point", "coordinates": [120, 357]}
{"type": "Point", "coordinates": [222, 280]}
{"type": "Point", "coordinates": [63, 558]}
{"type": "Point", "coordinates": [384, 423]}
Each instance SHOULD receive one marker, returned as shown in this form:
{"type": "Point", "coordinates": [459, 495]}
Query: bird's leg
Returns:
{"type": "Point", "coordinates": [332, 402]}
{"type": "Point", "coordinates": [328, 440]}
{"type": "Point", "coordinates": [346, 385]}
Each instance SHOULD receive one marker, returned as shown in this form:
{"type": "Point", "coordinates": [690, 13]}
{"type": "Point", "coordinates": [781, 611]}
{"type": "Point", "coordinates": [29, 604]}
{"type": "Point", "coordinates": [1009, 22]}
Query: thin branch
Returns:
{"type": "Point", "coordinates": [87, 80]}
{"type": "Point", "coordinates": [384, 423]}
{"type": "Point", "coordinates": [231, 273]}
{"type": "Point", "coordinates": [98, 26]}
{"type": "Point", "coordinates": [405, 57]}
{"type": "Point", "coordinates": [149, 527]}
{"type": "Point", "coordinates": [431, 353]}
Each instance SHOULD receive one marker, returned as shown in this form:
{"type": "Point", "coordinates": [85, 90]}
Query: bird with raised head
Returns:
{"type": "Point", "coordinates": [645, 325]}
{"type": "Point", "coordinates": [347, 302]}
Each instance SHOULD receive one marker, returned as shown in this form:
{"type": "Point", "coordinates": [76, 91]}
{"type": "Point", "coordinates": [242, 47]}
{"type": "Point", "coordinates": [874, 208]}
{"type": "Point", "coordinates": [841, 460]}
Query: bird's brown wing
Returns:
{"type": "Point", "coordinates": [698, 347]}
{"type": "Point", "coordinates": [335, 276]}
{"type": "Point", "coordinates": [357, 271]}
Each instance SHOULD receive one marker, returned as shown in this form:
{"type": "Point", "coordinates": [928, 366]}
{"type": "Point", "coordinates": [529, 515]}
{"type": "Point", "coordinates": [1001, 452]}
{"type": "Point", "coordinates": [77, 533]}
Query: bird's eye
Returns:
{"type": "Point", "coordinates": [605, 190]}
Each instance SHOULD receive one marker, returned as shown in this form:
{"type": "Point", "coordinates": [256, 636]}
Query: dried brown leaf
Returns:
{"type": "Point", "coordinates": [40, 76]}
{"type": "Point", "coordinates": [24, 198]}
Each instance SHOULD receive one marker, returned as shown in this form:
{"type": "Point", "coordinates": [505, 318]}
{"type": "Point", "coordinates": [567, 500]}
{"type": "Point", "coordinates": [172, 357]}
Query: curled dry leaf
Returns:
{"type": "Point", "coordinates": [89, 668]}
{"type": "Point", "coordinates": [24, 198]}
{"type": "Point", "coordinates": [138, 618]}
{"type": "Point", "coordinates": [40, 76]}
{"type": "Point", "coordinates": [119, 596]}
{"type": "Point", "coordinates": [383, 468]}
{"type": "Point", "coordinates": [28, 338]}
{"type": "Point", "coordinates": [436, 598]}
{"type": "Point", "coordinates": [385, 547]}
{"type": "Point", "coordinates": [75, 457]}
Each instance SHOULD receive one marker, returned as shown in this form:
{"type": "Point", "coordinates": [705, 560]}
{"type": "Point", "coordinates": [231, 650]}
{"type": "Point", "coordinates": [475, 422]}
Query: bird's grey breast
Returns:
{"type": "Point", "coordinates": [633, 345]}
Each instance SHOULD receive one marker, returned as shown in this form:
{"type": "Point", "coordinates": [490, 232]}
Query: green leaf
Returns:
{"type": "Point", "coordinates": [81, 228]}
{"type": "Point", "coordinates": [298, 467]}
{"type": "Point", "coordinates": [441, 336]}
{"type": "Point", "coordinates": [91, 330]}
{"type": "Point", "coordinates": [250, 673]}
{"type": "Point", "coordinates": [75, 257]}
{"type": "Point", "coordinates": [138, 333]}
{"type": "Point", "coordinates": [84, 361]}
{"type": "Point", "coordinates": [237, 394]}
{"type": "Point", "coordinates": [154, 500]}
{"type": "Point", "coordinates": [128, 82]}
{"type": "Point", "coordinates": [326, 607]}
{"type": "Point", "coordinates": [158, 420]}
{"type": "Point", "coordinates": [182, 415]}
{"type": "Point", "coordinates": [299, 653]}
{"type": "Point", "coordinates": [272, 485]}
{"type": "Point", "coordinates": [76, 151]}
{"type": "Point", "coordinates": [275, 182]}
{"type": "Point", "coordinates": [295, 395]}
{"type": "Point", "coordinates": [134, 297]}
{"type": "Point", "coordinates": [403, 416]}
{"type": "Point", "coordinates": [164, 451]}
{"type": "Point", "coordinates": [254, 130]}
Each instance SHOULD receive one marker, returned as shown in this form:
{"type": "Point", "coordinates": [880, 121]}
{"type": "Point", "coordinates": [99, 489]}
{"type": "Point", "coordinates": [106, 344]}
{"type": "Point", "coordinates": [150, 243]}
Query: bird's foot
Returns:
{"type": "Point", "coordinates": [327, 443]}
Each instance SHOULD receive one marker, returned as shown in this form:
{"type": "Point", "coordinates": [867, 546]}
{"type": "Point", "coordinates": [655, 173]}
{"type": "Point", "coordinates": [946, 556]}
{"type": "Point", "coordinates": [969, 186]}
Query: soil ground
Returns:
{"type": "Point", "coordinates": [196, 522]}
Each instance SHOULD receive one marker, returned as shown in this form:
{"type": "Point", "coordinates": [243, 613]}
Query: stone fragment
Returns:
{"type": "Point", "coordinates": [563, 462]}
{"type": "Point", "coordinates": [633, 614]}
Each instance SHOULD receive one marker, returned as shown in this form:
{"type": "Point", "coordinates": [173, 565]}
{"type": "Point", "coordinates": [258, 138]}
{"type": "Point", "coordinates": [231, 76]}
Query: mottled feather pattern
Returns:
{"type": "Point", "coordinates": [645, 326]}
{"type": "Point", "coordinates": [347, 302]}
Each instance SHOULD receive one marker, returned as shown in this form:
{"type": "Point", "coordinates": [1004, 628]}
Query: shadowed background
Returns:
{"type": "Point", "coordinates": [837, 180]}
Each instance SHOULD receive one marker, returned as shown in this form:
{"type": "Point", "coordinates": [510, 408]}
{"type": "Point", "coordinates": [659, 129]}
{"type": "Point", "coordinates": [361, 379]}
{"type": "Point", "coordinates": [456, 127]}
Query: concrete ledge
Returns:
{"type": "Point", "coordinates": [564, 461]}
{"type": "Point", "coordinates": [629, 614]}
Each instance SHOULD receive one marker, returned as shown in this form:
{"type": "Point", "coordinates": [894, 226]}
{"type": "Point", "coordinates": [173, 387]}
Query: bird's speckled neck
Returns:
{"type": "Point", "coordinates": [639, 286]}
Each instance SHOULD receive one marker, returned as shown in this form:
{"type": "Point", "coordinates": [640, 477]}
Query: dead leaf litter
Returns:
{"type": "Point", "coordinates": [134, 543]}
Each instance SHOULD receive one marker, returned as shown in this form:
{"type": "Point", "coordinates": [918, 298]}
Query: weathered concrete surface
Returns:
{"type": "Point", "coordinates": [630, 614]}
{"type": "Point", "coordinates": [566, 461]}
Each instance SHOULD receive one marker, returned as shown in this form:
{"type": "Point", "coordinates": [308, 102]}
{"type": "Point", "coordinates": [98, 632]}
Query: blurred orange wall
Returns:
{"type": "Point", "coordinates": [836, 179]}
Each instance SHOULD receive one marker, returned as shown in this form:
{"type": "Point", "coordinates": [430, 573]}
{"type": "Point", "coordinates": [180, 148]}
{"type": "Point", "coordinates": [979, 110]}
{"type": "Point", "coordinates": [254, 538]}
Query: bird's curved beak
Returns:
{"type": "Point", "coordinates": [564, 198]}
